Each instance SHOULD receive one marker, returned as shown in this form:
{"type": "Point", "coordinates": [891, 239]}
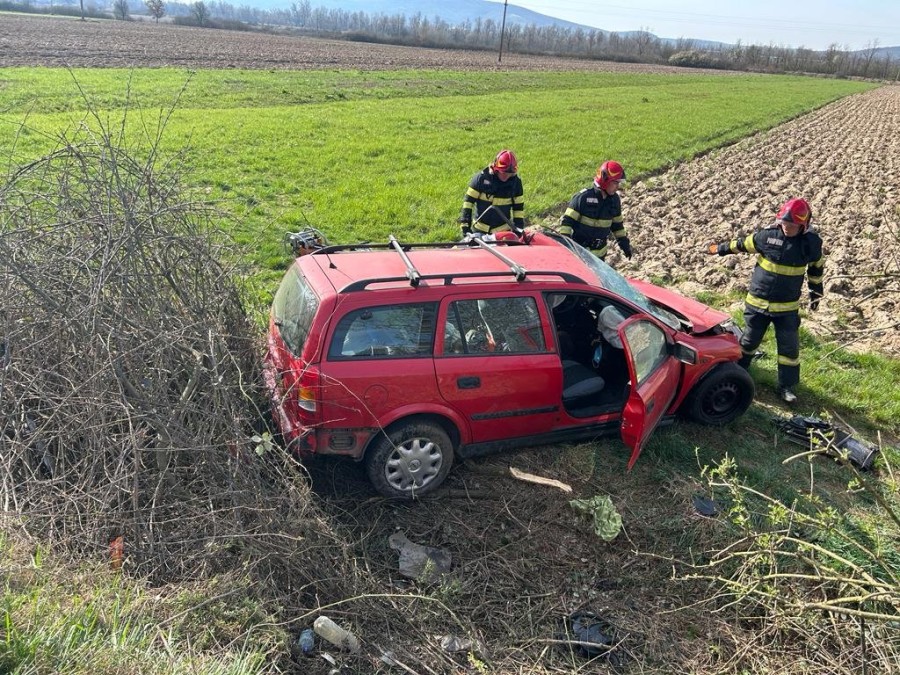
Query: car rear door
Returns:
{"type": "Point", "coordinates": [496, 366]}
{"type": "Point", "coordinates": [655, 377]}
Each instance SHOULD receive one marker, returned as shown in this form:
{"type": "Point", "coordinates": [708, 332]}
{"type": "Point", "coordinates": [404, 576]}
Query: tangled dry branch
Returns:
{"type": "Point", "coordinates": [128, 388]}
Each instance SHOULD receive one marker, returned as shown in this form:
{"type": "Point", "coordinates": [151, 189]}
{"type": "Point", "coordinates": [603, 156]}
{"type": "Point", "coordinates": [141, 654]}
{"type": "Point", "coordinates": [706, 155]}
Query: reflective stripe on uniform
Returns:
{"type": "Point", "coordinates": [787, 361]}
{"type": "Point", "coordinates": [481, 227]}
{"type": "Point", "coordinates": [566, 230]}
{"type": "Point", "coordinates": [775, 268]}
{"type": "Point", "coordinates": [483, 196]}
{"type": "Point", "coordinates": [590, 222]}
{"type": "Point", "coordinates": [767, 306]}
{"type": "Point", "coordinates": [748, 245]}
{"type": "Point", "coordinates": [600, 252]}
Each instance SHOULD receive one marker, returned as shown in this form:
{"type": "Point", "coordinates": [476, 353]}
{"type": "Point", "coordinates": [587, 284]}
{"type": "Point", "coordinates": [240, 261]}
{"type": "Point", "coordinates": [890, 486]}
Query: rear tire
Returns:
{"type": "Point", "coordinates": [722, 396]}
{"type": "Point", "coordinates": [409, 461]}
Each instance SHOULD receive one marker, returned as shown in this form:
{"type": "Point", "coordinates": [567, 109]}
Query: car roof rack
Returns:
{"type": "Point", "coordinates": [415, 277]}
{"type": "Point", "coordinates": [411, 272]}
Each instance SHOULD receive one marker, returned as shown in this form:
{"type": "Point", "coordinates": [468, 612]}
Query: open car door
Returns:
{"type": "Point", "coordinates": [655, 375]}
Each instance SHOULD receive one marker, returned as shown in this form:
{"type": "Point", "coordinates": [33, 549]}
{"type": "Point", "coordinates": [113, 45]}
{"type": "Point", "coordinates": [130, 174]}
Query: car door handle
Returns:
{"type": "Point", "coordinates": [651, 404]}
{"type": "Point", "coordinates": [468, 382]}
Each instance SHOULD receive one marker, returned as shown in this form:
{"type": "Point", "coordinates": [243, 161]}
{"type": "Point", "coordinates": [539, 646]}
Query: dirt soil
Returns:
{"type": "Point", "coordinates": [63, 41]}
{"type": "Point", "coordinates": [843, 158]}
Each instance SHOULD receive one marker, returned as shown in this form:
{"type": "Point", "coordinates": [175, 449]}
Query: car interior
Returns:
{"type": "Point", "coordinates": [595, 373]}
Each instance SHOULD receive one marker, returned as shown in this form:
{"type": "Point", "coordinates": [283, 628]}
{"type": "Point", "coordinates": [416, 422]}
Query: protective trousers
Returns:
{"type": "Point", "coordinates": [787, 338]}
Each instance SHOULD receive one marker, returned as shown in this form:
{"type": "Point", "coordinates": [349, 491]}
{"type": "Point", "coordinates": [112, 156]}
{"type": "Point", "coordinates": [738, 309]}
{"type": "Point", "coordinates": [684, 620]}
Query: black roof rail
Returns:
{"type": "Point", "coordinates": [450, 277]}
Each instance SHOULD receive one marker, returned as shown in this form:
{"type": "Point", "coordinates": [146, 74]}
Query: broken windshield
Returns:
{"type": "Point", "coordinates": [618, 284]}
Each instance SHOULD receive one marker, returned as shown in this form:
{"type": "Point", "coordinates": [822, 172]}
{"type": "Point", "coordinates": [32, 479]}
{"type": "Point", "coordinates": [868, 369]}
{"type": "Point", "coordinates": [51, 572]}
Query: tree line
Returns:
{"type": "Point", "coordinates": [639, 46]}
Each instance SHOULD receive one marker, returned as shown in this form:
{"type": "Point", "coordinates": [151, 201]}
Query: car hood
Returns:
{"type": "Point", "coordinates": [701, 317]}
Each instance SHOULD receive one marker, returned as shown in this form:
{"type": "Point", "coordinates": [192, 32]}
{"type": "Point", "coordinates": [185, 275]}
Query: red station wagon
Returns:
{"type": "Point", "coordinates": [407, 355]}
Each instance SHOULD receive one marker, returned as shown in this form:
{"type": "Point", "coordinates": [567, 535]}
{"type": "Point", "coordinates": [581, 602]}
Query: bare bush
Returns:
{"type": "Point", "coordinates": [804, 580]}
{"type": "Point", "coordinates": [129, 381]}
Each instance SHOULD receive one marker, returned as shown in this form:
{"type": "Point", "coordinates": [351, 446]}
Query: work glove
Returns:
{"type": "Point", "coordinates": [625, 245]}
{"type": "Point", "coordinates": [465, 224]}
{"type": "Point", "coordinates": [717, 249]}
{"type": "Point", "coordinates": [814, 303]}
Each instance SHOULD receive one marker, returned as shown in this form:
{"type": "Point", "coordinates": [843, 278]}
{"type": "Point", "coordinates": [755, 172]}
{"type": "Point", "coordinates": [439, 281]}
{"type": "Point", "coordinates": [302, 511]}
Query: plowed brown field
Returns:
{"type": "Point", "coordinates": [844, 159]}
{"type": "Point", "coordinates": [55, 41]}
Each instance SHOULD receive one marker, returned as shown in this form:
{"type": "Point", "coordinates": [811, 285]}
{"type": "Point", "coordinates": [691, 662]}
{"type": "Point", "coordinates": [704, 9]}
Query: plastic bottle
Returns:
{"type": "Point", "coordinates": [307, 641]}
{"type": "Point", "coordinates": [339, 637]}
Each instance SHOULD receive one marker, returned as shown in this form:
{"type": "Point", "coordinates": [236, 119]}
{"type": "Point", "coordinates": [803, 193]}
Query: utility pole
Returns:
{"type": "Point", "coordinates": [502, 31]}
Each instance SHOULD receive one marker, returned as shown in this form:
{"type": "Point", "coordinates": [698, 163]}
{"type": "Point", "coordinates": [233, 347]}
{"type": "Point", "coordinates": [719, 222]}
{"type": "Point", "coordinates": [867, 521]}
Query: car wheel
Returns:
{"type": "Point", "coordinates": [410, 460]}
{"type": "Point", "coordinates": [722, 396]}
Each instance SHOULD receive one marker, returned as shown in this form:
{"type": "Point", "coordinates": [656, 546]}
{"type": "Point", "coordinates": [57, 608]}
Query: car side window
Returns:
{"type": "Point", "coordinates": [493, 325]}
{"type": "Point", "coordinates": [647, 344]}
{"type": "Point", "coordinates": [385, 332]}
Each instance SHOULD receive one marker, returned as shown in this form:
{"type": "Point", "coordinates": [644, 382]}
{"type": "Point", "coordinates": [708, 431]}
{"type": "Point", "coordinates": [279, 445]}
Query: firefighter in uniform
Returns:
{"type": "Point", "coordinates": [785, 252]}
{"type": "Point", "coordinates": [497, 186]}
{"type": "Point", "coordinates": [596, 211]}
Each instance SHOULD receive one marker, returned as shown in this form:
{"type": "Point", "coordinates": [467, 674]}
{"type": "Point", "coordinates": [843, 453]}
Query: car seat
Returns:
{"type": "Point", "coordinates": [581, 384]}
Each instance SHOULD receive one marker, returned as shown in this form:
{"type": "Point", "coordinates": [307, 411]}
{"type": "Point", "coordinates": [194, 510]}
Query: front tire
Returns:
{"type": "Point", "coordinates": [722, 396]}
{"type": "Point", "coordinates": [410, 460]}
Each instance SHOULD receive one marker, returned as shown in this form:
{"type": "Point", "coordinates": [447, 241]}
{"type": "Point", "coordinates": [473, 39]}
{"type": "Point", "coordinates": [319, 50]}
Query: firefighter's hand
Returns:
{"type": "Point", "coordinates": [814, 304]}
{"type": "Point", "coordinates": [712, 249]}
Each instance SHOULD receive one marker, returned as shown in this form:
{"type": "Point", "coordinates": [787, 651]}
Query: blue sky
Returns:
{"type": "Point", "coordinates": [853, 24]}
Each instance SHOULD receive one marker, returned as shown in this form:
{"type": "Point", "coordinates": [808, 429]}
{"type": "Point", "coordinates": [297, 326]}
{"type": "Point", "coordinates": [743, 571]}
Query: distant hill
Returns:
{"type": "Point", "coordinates": [454, 12]}
{"type": "Point", "coordinates": [893, 53]}
{"type": "Point", "coordinates": [460, 11]}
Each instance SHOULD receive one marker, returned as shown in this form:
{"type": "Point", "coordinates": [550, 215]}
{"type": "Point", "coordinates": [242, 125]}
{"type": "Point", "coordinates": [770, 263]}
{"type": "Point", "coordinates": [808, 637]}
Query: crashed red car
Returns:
{"type": "Point", "coordinates": [406, 356]}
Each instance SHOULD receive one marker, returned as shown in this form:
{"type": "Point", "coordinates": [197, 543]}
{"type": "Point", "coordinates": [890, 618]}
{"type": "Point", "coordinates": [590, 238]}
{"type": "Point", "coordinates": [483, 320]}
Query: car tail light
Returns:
{"type": "Point", "coordinates": [308, 389]}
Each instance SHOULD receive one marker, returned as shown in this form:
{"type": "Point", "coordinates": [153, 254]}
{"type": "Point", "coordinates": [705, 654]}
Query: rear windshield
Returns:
{"type": "Point", "coordinates": [293, 310]}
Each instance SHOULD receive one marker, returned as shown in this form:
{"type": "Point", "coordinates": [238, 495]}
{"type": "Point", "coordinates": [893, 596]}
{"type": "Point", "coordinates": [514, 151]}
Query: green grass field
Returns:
{"type": "Point", "coordinates": [361, 155]}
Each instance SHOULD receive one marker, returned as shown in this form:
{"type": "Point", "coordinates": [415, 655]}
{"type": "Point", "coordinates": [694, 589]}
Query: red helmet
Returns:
{"type": "Point", "coordinates": [506, 162]}
{"type": "Point", "coordinates": [607, 173]}
{"type": "Point", "coordinates": [796, 211]}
